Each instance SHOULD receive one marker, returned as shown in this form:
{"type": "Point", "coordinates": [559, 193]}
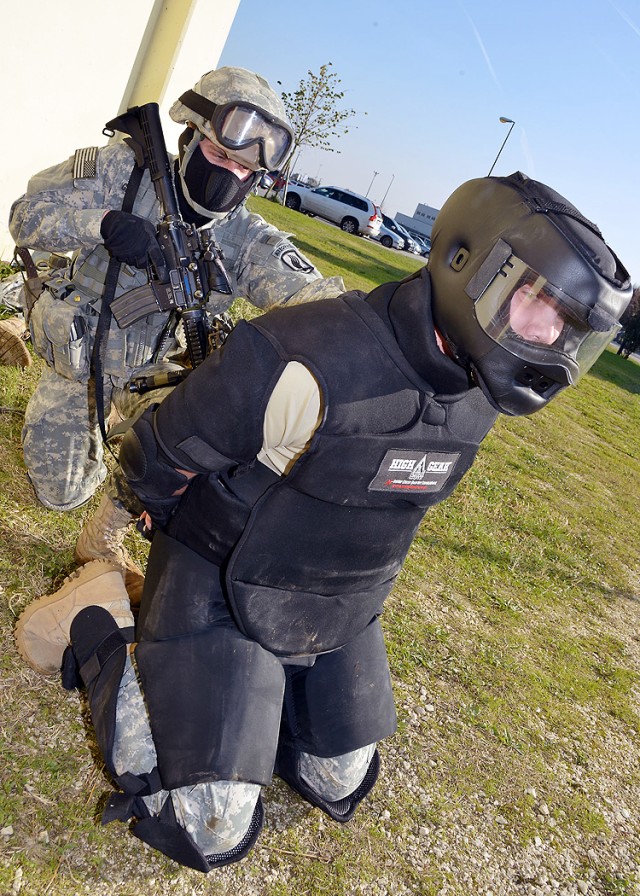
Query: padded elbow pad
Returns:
{"type": "Point", "coordinates": [148, 471]}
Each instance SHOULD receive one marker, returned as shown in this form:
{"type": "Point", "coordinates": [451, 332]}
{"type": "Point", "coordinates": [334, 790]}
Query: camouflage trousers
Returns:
{"type": "Point", "coordinates": [61, 439]}
{"type": "Point", "coordinates": [217, 814]}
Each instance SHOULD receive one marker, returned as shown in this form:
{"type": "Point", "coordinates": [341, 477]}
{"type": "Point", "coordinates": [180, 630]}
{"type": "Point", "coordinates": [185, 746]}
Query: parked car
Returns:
{"type": "Point", "coordinates": [394, 234]}
{"type": "Point", "coordinates": [390, 238]}
{"type": "Point", "coordinates": [422, 243]}
{"type": "Point", "coordinates": [350, 211]}
{"type": "Point", "coordinates": [425, 245]}
{"type": "Point", "coordinates": [272, 180]}
{"type": "Point", "coordinates": [412, 243]}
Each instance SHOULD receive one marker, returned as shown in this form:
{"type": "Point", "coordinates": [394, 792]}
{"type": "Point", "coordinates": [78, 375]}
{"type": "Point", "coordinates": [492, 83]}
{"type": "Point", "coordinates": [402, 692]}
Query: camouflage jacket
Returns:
{"type": "Point", "coordinates": [63, 207]}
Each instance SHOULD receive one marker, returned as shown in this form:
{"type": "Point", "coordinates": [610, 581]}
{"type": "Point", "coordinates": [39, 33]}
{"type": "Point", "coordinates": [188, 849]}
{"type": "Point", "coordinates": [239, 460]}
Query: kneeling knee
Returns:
{"type": "Point", "coordinates": [336, 777]}
{"type": "Point", "coordinates": [216, 814]}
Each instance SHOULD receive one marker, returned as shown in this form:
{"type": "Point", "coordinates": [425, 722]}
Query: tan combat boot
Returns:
{"type": "Point", "coordinates": [13, 349]}
{"type": "Point", "coordinates": [42, 631]}
{"type": "Point", "coordinates": [102, 537]}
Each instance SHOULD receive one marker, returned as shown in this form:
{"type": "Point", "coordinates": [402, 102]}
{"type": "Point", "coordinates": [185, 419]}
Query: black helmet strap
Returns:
{"type": "Point", "coordinates": [198, 103]}
{"type": "Point", "coordinates": [538, 205]}
{"type": "Point", "coordinates": [533, 194]}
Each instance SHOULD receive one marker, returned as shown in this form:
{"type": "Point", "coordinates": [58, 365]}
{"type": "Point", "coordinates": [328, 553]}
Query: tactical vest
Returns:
{"type": "Point", "coordinates": [311, 556]}
{"type": "Point", "coordinates": [131, 348]}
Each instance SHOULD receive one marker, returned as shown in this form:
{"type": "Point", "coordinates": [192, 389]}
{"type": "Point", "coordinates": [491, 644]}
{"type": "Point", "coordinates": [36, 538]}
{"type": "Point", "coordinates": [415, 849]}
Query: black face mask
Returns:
{"type": "Point", "coordinates": [213, 187]}
{"type": "Point", "coordinates": [187, 211]}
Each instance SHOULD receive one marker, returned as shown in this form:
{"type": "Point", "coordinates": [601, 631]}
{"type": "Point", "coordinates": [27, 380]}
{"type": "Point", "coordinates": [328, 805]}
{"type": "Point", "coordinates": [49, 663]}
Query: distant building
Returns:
{"type": "Point", "coordinates": [421, 222]}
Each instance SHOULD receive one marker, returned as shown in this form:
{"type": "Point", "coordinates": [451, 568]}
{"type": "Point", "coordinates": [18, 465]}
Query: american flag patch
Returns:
{"type": "Point", "coordinates": [84, 162]}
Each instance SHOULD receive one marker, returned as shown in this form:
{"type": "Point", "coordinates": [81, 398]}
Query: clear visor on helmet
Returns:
{"type": "Point", "coordinates": [253, 136]}
{"type": "Point", "coordinates": [521, 307]}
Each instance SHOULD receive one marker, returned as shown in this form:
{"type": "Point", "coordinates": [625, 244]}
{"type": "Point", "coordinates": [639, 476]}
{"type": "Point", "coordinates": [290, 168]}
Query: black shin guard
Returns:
{"type": "Point", "coordinates": [96, 659]}
{"type": "Point", "coordinates": [288, 768]}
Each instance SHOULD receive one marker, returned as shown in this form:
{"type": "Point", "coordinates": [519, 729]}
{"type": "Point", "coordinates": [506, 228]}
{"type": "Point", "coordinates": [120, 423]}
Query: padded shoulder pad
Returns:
{"type": "Point", "coordinates": [144, 464]}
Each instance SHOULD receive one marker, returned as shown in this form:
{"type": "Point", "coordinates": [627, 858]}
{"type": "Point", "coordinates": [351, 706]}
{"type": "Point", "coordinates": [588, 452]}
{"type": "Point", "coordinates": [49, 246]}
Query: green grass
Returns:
{"type": "Point", "coordinates": [515, 655]}
{"type": "Point", "coordinates": [363, 263]}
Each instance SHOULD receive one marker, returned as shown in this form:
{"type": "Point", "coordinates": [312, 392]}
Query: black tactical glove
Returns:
{"type": "Point", "coordinates": [132, 240]}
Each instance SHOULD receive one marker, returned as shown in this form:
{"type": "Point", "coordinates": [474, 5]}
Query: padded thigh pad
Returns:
{"type": "Point", "coordinates": [182, 593]}
{"type": "Point", "coordinates": [214, 702]}
{"type": "Point", "coordinates": [344, 701]}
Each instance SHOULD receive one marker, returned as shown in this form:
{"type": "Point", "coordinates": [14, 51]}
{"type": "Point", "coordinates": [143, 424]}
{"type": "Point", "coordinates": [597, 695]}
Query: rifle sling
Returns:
{"type": "Point", "coordinates": [104, 321]}
{"type": "Point", "coordinates": [28, 262]}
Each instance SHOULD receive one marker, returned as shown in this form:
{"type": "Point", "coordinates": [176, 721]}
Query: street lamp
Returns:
{"type": "Point", "coordinates": [375, 174]}
{"type": "Point", "coordinates": [387, 190]}
{"type": "Point", "coordinates": [504, 121]}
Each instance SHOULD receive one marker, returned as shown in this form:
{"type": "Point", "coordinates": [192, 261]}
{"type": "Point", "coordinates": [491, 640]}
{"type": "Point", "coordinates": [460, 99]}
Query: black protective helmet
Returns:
{"type": "Point", "coordinates": [525, 290]}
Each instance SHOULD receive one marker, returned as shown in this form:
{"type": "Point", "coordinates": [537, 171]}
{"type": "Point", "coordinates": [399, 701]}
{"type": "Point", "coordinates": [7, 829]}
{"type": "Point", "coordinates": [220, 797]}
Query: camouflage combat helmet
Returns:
{"type": "Point", "coordinates": [228, 88]}
{"type": "Point", "coordinates": [241, 115]}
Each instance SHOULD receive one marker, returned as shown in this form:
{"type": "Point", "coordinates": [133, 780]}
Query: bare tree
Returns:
{"type": "Point", "coordinates": [315, 113]}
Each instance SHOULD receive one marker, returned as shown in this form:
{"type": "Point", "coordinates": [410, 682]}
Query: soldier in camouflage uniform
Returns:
{"type": "Point", "coordinates": [76, 206]}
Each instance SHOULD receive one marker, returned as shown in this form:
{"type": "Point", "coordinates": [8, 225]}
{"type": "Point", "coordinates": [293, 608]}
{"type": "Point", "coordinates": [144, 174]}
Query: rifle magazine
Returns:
{"type": "Point", "coordinates": [134, 305]}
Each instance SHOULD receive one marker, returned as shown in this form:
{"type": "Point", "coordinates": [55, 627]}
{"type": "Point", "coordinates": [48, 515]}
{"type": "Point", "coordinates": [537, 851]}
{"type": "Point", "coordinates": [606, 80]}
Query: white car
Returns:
{"type": "Point", "coordinates": [390, 238]}
{"type": "Point", "coordinates": [350, 211]}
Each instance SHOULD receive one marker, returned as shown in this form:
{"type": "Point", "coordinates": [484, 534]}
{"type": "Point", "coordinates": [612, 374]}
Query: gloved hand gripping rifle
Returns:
{"type": "Point", "coordinates": [193, 264]}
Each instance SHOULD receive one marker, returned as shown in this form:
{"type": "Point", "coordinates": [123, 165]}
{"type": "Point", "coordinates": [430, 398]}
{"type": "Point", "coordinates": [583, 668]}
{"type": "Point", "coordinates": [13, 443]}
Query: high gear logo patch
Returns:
{"type": "Point", "coordinates": [413, 471]}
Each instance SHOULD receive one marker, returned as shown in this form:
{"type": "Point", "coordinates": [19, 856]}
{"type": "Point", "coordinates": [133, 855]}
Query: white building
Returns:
{"type": "Point", "coordinates": [421, 222]}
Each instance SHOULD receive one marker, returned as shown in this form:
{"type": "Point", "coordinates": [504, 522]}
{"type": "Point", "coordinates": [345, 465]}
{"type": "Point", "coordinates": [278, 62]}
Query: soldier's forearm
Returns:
{"type": "Point", "coordinates": [48, 226]}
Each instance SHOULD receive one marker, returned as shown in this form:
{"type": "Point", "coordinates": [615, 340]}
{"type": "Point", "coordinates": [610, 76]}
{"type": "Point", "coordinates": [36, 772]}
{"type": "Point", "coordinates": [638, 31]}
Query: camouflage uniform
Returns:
{"type": "Point", "coordinates": [62, 212]}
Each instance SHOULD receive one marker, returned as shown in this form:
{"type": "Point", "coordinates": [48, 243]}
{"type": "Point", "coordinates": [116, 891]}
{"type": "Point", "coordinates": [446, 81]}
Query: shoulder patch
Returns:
{"type": "Point", "coordinates": [85, 163]}
{"type": "Point", "coordinates": [289, 256]}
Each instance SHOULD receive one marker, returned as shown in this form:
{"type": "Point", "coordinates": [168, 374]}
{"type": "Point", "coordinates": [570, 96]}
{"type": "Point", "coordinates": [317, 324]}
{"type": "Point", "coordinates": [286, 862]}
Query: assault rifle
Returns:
{"type": "Point", "coordinates": [193, 265]}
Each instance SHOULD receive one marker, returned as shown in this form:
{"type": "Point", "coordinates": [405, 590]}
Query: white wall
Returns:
{"type": "Point", "coordinates": [64, 67]}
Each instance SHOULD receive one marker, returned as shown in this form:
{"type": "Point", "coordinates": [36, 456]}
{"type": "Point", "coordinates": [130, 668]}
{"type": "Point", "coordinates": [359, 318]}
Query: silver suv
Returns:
{"type": "Point", "coordinates": [350, 211]}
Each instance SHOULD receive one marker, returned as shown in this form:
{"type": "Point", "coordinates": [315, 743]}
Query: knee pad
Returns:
{"type": "Point", "coordinates": [288, 768]}
{"type": "Point", "coordinates": [164, 833]}
{"type": "Point", "coordinates": [98, 659]}
{"type": "Point", "coordinates": [335, 777]}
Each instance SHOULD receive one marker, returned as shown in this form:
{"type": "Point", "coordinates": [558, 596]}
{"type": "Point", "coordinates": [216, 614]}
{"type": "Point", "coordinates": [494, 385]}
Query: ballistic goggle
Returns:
{"type": "Point", "coordinates": [255, 137]}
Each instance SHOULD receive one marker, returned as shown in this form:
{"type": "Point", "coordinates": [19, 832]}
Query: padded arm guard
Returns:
{"type": "Point", "coordinates": [148, 470]}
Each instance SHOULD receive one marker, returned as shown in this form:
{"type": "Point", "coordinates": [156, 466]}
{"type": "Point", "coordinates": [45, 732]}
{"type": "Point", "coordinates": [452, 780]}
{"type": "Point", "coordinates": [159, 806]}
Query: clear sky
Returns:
{"type": "Point", "coordinates": [434, 78]}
